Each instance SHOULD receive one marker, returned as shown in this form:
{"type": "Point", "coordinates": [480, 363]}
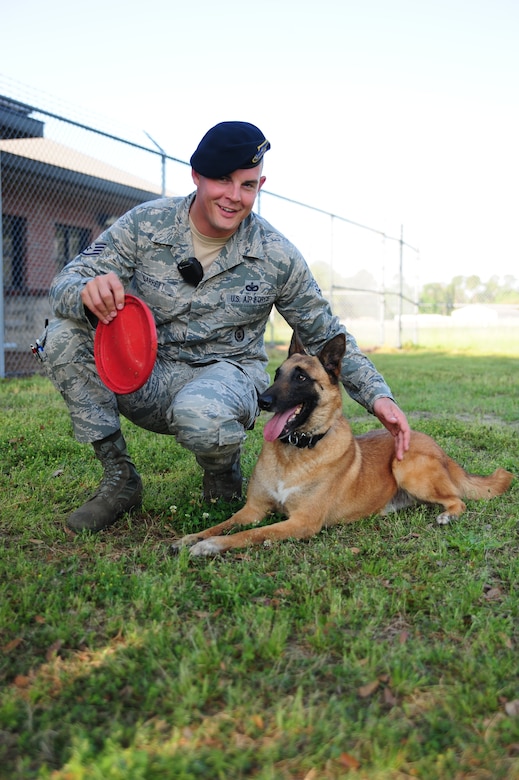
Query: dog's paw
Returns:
{"type": "Point", "coordinates": [212, 546]}
{"type": "Point", "coordinates": [445, 518]}
{"type": "Point", "coordinates": [185, 541]}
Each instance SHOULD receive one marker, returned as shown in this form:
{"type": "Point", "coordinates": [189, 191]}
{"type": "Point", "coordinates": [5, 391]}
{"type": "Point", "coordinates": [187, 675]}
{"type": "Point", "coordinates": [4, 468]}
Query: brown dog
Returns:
{"type": "Point", "coordinates": [312, 468]}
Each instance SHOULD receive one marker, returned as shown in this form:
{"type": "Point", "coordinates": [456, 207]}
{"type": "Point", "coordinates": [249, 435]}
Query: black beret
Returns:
{"type": "Point", "coordinates": [227, 147]}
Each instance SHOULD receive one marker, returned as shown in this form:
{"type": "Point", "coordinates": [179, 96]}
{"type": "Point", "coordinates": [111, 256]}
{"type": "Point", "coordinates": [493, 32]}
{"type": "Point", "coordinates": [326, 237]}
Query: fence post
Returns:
{"type": "Point", "coordinates": [401, 288]}
{"type": "Point", "coordinates": [332, 259]}
{"type": "Point", "coordinates": [163, 156]}
{"type": "Point", "coordinates": [2, 312]}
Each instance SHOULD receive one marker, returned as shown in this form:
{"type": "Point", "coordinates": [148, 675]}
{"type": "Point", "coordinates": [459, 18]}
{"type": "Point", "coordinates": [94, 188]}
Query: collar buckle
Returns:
{"type": "Point", "coordinates": [302, 439]}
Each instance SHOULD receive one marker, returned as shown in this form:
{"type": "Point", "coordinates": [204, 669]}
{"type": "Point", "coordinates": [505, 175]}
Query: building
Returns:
{"type": "Point", "coordinates": [54, 201]}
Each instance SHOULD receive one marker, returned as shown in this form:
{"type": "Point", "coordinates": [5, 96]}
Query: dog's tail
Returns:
{"type": "Point", "coordinates": [475, 486]}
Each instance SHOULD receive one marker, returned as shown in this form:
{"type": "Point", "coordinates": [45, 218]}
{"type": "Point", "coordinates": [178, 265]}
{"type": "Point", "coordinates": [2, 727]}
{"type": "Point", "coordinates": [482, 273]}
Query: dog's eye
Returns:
{"type": "Point", "coordinates": [301, 377]}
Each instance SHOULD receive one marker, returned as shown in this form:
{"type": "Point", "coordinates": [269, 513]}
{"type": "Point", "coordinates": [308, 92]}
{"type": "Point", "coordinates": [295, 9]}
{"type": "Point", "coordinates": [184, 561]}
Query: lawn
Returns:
{"type": "Point", "coordinates": [385, 649]}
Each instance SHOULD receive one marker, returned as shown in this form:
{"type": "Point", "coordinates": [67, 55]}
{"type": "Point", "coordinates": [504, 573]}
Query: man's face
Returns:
{"type": "Point", "coordinates": [221, 204]}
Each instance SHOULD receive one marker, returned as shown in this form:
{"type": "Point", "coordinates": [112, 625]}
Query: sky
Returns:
{"type": "Point", "coordinates": [389, 113]}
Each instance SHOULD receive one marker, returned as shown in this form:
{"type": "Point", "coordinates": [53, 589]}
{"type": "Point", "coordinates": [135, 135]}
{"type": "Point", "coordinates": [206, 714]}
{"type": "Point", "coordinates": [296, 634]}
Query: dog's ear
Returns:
{"type": "Point", "coordinates": [332, 354]}
{"type": "Point", "coordinates": [296, 345]}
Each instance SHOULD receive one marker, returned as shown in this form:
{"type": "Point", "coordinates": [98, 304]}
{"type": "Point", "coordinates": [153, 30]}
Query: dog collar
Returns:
{"type": "Point", "coordinates": [301, 439]}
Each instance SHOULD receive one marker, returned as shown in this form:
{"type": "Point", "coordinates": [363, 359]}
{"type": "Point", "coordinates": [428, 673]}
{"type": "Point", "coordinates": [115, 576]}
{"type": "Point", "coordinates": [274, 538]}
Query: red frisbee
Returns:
{"type": "Point", "coordinates": [126, 348]}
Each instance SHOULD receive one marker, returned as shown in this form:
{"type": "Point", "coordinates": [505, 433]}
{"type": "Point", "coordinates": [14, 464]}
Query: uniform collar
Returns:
{"type": "Point", "coordinates": [247, 242]}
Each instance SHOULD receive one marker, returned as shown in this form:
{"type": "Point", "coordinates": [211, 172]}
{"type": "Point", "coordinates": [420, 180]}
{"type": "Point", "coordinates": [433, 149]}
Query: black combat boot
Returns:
{"type": "Point", "coordinates": [224, 484]}
{"type": "Point", "coordinates": [119, 492]}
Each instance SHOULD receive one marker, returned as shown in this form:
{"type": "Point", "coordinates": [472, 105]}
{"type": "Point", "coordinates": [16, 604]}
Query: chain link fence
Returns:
{"type": "Point", "coordinates": [360, 270]}
{"type": "Point", "coordinates": [62, 182]}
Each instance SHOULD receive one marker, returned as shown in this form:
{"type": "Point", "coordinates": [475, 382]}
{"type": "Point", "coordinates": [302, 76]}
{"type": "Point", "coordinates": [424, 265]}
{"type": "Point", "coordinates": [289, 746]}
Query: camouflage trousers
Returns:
{"type": "Point", "coordinates": [207, 408]}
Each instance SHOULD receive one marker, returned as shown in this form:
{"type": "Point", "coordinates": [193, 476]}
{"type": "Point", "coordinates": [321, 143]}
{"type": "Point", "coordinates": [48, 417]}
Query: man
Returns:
{"type": "Point", "coordinates": [211, 314]}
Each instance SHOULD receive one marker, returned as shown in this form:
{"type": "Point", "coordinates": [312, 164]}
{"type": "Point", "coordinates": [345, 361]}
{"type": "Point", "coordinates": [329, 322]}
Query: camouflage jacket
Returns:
{"type": "Point", "coordinates": [226, 315]}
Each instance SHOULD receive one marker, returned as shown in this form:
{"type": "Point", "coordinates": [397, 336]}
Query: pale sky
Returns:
{"type": "Point", "coordinates": [386, 112]}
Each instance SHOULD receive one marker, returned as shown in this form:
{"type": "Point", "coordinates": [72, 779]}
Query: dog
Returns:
{"type": "Point", "coordinates": [317, 473]}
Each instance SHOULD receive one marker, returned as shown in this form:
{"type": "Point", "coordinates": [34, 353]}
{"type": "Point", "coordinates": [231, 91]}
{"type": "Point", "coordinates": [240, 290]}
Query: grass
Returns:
{"type": "Point", "coordinates": [385, 649]}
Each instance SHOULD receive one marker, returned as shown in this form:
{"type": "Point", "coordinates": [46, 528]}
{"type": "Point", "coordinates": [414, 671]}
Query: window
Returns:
{"type": "Point", "coordinates": [14, 232]}
{"type": "Point", "coordinates": [68, 242]}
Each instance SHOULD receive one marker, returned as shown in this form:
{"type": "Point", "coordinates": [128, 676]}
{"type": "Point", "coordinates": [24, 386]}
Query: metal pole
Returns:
{"type": "Point", "coordinates": [416, 301]}
{"type": "Point", "coordinates": [2, 326]}
{"type": "Point", "coordinates": [163, 181]}
{"type": "Point", "coordinates": [382, 335]}
{"type": "Point", "coordinates": [332, 225]}
{"type": "Point", "coordinates": [401, 294]}
{"type": "Point", "coordinates": [163, 162]}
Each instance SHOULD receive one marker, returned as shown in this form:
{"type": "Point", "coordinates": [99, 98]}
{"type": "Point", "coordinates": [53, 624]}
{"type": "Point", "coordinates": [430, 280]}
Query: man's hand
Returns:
{"type": "Point", "coordinates": [104, 296]}
{"type": "Point", "coordinates": [393, 418]}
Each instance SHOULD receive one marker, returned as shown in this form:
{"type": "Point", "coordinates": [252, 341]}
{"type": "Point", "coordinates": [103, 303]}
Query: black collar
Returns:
{"type": "Point", "coordinates": [301, 439]}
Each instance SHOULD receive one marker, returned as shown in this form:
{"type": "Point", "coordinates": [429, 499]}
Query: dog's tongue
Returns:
{"type": "Point", "coordinates": [276, 424]}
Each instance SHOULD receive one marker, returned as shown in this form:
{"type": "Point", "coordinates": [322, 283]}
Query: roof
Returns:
{"type": "Point", "coordinates": [48, 152]}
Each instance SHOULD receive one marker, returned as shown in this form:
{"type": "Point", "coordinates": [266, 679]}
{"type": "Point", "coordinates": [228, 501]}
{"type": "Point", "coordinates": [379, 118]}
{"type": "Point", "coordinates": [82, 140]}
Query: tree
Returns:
{"type": "Point", "coordinates": [440, 298]}
{"type": "Point", "coordinates": [432, 299]}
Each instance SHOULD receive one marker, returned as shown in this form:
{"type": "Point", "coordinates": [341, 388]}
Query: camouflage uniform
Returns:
{"type": "Point", "coordinates": [211, 360]}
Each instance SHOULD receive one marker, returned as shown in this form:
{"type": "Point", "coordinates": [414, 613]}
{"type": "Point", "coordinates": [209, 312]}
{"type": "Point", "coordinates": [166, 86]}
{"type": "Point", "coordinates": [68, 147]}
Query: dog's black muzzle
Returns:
{"type": "Point", "coordinates": [266, 401]}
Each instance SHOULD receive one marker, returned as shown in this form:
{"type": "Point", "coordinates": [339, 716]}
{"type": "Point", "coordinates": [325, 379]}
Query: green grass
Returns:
{"type": "Point", "coordinates": [385, 649]}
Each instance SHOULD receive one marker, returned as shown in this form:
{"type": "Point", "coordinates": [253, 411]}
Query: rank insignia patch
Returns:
{"type": "Point", "coordinates": [93, 249]}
